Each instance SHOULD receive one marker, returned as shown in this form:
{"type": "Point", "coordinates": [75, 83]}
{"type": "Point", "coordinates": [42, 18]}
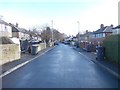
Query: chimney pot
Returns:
{"type": "Point", "coordinates": [86, 31]}
{"type": "Point", "coordinates": [16, 25]}
{"type": "Point", "coordinates": [101, 26]}
{"type": "Point", "coordinates": [111, 25]}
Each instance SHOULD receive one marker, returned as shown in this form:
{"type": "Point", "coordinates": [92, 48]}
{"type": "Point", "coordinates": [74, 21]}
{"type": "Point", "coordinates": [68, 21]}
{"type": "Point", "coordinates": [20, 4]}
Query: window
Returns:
{"type": "Point", "coordinates": [97, 35]}
{"type": "Point", "coordinates": [103, 34]}
{"type": "Point", "coordinates": [100, 35]}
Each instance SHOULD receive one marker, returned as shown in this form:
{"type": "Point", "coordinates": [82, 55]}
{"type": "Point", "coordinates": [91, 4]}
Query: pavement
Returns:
{"type": "Point", "coordinates": [111, 67]}
{"type": "Point", "coordinates": [61, 67]}
{"type": "Point", "coordinates": [25, 58]}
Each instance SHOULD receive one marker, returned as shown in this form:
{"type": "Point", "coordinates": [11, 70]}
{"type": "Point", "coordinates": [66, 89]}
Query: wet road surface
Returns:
{"type": "Point", "coordinates": [62, 67]}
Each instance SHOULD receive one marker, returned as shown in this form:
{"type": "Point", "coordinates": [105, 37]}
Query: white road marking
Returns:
{"type": "Point", "coordinates": [86, 57]}
{"type": "Point", "coordinates": [22, 64]}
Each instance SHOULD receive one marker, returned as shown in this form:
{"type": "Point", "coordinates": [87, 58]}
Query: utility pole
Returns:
{"type": "Point", "coordinates": [52, 29]}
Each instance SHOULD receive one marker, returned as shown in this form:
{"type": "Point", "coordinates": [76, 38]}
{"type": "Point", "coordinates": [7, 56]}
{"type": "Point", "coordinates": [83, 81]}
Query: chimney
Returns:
{"type": "Point", "coordinates": [16, 25]}
{"type": "Point", "coordinates": [10, 23]}
{"type": "Point", "coordinates": [101, 26]}
{"type": "Point", "coordinates": [111, 25]}
{"type": "Point", "coordinates": [86, 31]}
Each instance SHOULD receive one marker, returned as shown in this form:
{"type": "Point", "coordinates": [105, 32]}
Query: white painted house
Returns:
{"type": "Point", "coordinates": [5, 29]}
{"type": "Point", "coordinates": [116, 30]}
{"type": "Point", "coordinates": [20, 33]}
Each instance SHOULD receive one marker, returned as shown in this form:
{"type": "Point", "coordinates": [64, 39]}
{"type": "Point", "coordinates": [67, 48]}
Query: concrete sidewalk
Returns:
{"type": "Point", "coordinates": [24, 58]}
{"type": "Point", "coordinates": [111, 67]}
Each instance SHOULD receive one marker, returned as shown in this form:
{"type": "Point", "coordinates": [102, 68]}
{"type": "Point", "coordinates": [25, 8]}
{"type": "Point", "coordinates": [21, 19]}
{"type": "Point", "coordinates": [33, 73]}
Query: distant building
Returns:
{"type": "Point", "coordinates": [85, 39]}
{"type": "Point", "coordinates": [75, 39]}
{"type": "Point", "coordinates": [5, 29]}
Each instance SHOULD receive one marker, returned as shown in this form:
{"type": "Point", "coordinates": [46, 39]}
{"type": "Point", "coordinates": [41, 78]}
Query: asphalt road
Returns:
{"type": "Point", "coordinates": [62, 67]}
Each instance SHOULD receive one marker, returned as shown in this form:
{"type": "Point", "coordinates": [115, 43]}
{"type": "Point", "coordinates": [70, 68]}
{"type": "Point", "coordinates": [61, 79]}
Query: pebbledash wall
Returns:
{"type": "Point", "coordinates": [9, 52]}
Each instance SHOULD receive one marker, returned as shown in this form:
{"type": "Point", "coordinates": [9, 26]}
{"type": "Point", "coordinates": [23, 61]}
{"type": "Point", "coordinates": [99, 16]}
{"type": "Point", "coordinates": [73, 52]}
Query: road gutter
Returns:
{"type": "Point", "coordinates": [103, 66]}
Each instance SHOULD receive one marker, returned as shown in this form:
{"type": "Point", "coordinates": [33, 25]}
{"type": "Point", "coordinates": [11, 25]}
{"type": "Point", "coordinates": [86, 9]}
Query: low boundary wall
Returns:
{"type": "Point", "coordinates": [9, 52]}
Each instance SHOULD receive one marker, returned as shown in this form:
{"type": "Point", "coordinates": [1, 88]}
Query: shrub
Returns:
{"type": "Point", "coordinates": [112, 48]}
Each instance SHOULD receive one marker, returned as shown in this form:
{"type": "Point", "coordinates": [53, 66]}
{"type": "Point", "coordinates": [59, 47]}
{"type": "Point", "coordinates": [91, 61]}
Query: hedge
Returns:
{"type": "Point", "coordinates": [112, 48]}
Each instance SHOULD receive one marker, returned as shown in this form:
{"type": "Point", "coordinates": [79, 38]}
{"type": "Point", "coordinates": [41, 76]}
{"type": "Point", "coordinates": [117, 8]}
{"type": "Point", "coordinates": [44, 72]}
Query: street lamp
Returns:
{"type": "Point", "coordinates": [52, 29]}
{"type": "Point", "coordinates": [78, 30]}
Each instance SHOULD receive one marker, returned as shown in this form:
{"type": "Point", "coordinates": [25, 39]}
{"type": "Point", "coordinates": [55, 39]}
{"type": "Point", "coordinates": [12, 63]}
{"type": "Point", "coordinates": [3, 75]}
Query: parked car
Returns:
{"type": "Point", "coordinates": [66, 42]}
{"type": "Point", "coordinates": [56, 43]}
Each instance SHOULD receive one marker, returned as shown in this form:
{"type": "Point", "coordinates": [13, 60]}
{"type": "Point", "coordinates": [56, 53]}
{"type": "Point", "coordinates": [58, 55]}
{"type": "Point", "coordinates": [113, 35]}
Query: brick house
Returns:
{"type": "Point", "coordinates": [99, 35]}
{"type": "Point", "coordinates": [95, 38]}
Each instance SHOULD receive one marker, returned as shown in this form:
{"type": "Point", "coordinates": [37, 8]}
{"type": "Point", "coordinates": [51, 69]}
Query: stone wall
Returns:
{"type": "Point", "coordinates": [9, 52]}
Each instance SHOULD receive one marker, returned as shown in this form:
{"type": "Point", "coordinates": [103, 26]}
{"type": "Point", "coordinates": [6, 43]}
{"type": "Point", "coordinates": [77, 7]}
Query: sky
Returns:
{"type": "Point", "coordinates": [64, 13]}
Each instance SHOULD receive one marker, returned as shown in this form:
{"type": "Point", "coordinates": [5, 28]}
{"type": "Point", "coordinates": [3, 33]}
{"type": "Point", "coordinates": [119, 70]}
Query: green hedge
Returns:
{"type": "Point", "coordinates": [112, 48]}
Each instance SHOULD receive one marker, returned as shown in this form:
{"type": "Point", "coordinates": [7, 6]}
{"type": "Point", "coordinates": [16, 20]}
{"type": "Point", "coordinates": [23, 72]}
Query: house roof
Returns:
{"type": "Point", "coordinates": [74, 37]}
{"type": "Point", "coordinates": [17, 29]}
{"type": "Point", "coordinates": [104, 29]}
{"type": "Point", "coordinates": [3, 22]}
{"type": "Point", "coordinates": [86, 34]}
{"type": "Point", "coordinates": [100, 30]}
{"type": "Point", "coordinates": [116, 27]}
{"type": "Point", "coordinates": [108, 29]}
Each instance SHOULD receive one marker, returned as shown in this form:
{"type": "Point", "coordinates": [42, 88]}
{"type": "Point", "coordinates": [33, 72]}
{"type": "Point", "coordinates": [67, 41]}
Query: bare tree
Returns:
{"type": "Point", "coordinates": [45, 32]}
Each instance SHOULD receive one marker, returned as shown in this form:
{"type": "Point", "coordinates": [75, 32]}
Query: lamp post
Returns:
{"type": "Point", "coordinates": [52, 29]}
{"type": "Point", "coordinates": [78, 31]}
